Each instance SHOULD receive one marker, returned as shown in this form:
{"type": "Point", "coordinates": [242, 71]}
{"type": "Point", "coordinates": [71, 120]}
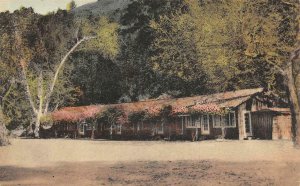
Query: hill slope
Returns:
{"type": "Point", "coordinates": [110, 8]}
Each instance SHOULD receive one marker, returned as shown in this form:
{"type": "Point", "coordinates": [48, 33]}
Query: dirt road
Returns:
{"type": "Point", "coordinates": [83, 162]}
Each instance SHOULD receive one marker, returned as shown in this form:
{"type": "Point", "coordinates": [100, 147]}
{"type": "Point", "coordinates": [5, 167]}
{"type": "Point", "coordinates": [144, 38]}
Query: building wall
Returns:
{"type": "Point", "coordinates": [251, 105]}
{"type": "Point", "coordinates": [230, 133]}
{"type": "Point", "coordinates": [282, 126]}
{"type": "Point", "coordinates": [173, 129]}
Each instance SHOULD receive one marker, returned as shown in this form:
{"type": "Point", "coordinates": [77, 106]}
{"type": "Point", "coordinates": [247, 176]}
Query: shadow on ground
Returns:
{"type": "Point", "coordinates": [155, 173]}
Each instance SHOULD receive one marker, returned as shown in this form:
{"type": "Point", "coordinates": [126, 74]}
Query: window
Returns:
{"type": "Point", "coordinates": [217, 121]}
{"type": "Point", "coordinates": [82, 127]}
{"type": "Point", "coordinates": [160, 129]}
{"type": "Point", "coordinates": [192, 122]}
{"type": "Point", "coordinates": [197, 121]}
{"type": "Point", "coordinates": [231, 119]}
{"type": "Point", "coordinates": [139, 126]}
{"type": "Point", "coordinates": [88, 126]}
{"type": "Point", "coordinates": [187, 120]}
{"type": "Point", "coordinates": [119, 129]}
{"type": "Point", "coordinates": [205, 124]}
{"type": "Point", "coordinates": [227, 121]}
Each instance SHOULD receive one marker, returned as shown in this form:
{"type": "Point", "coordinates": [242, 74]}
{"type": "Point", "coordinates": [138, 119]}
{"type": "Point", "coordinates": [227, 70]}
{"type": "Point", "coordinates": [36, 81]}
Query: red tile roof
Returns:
{"type": "Point", "coordinates": [221, 100]}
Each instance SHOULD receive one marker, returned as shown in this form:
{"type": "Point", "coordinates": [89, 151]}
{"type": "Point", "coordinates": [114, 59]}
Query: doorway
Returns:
{"type": "Point", "coordinates": [248, 124]}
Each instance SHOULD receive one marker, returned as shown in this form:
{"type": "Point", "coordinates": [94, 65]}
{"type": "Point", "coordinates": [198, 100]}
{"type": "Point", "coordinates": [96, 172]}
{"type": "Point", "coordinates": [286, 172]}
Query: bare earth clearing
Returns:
{"type": "Point", "coordinates": [83, 162]}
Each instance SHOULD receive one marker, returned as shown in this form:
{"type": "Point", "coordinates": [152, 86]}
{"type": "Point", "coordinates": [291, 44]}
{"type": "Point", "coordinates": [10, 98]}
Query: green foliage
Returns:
{"type": "Point", "coordinates": [173, 46]}
{"type": "Point", "coordinates": [106, 33]}
{"type": "Point", "coordinates": [166, 111]}
{"type": "Point", "coordinates": [270, 29]}
{"type": "Point", "coordinates": [111, 115]}
{"type": "Point", "coordinates": [47, 119]}
{"type": "Point", "coordinates": [141, 80]}
{"type": "Point", "coordinates": [97, 78]}
{"type": "Point", "coordinates": [71, 5]}
{"type": "Point", "coordinates": [16, 108]}
{"type": "Point", "coordinates": [22, 23]}
{"type": "Point", "coordinates": [135, 117]}
{"type": "Point", "coordinates": [217, 42]}
{"type": "Point", "coordinates": [38, 43]}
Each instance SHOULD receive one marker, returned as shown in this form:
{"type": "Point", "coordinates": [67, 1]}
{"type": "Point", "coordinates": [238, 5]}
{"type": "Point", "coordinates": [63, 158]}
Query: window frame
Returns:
{"type": "Point", "coordinates": [203, 123]}
{"type": "Point", "coordinates": [220, 118]}
{"type": "Point", "coordinates": [225, 121]}
{"type": "Point", "coordinates": [160, 128]}
{"type": "Point", "coordinates": [230, 120]}
{"type": "Point", "coordinates": [119, 129]}
{"type": "Point", "coordinates": [187, 120]}
{"type": "Point", "coordinates": [191, 121]}
{"type": "Point", "coordinates": [82, 127]}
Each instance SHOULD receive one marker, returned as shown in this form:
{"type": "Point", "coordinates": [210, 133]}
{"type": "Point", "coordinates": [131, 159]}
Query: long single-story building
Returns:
{"type": "Point", "coordinates": [242, 114]}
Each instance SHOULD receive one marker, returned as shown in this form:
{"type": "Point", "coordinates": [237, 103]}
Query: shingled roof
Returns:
{"type": "Point", "coordinates": [221, 100]}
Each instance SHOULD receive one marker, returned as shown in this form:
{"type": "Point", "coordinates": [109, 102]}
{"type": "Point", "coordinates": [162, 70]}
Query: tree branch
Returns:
{"type": "Point", "coordinates": [295, 54]}
{"type": "Point", "coordinates": [40, 92]}
{"type": "Point", "coordinates": [6, 94]}
{"type": "Point", "coordinates": [276, 66]}
{"type": "Point", "coordinates": [25, 81]}
{"type": "Point", "coordinates": [63, 61]}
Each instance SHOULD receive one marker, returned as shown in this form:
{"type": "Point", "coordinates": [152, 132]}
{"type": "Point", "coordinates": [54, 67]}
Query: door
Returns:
{"type": "Point", "coordinates": [262, 125]}
{"type": "Point", "coordinates": [205, 125]}
{"type": "Point", "coordinates": [248, 124]}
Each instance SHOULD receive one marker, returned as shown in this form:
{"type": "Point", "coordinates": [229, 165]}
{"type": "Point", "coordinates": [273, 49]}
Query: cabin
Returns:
{"type": "Point", "coordinates": [242, 114]}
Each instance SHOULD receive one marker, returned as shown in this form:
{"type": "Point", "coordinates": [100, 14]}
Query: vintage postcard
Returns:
{"type": "Point", "coordinates": [150, 92]}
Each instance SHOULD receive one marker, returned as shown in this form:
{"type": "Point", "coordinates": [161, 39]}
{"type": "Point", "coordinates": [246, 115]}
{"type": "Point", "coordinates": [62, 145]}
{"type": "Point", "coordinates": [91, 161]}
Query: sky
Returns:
{"type": "Point", "coordinates": [39, 6]}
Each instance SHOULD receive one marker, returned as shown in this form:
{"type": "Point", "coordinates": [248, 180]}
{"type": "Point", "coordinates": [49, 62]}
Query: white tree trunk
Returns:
{"type": "Point", "coordinates": [43, 108]}
{"type": "Point", "coordinates": [37, 125]}
{"type": "Point", "coordinates": [28, 92]}
{"type": "Point", "coordinates": [3, 131]}
{"type": "Point", "coordinates": [58, 70]}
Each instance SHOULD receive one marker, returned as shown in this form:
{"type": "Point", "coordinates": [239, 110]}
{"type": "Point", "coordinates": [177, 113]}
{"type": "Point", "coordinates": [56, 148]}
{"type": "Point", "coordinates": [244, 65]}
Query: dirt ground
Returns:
{"type": "Point", "coordinates": [84, 162]}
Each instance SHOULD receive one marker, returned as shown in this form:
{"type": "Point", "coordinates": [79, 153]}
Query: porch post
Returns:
{"type": "Point", "coordinates": [182, 125]}
{"type": "Point", "coordinates": [93, 130]}
{"type": "Point", "coordinates": [110, 131]}
{"type": "Point", "coordinates": [223, 132]}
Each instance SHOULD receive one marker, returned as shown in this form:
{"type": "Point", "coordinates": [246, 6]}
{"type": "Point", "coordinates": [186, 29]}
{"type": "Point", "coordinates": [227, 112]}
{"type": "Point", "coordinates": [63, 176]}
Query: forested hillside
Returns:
{"type": "Point", "coordinates": [181, 48]}
{"type": "Point", "coordinates": [160, 47]}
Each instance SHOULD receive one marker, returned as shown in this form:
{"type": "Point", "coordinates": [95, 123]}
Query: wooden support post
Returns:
{"type": "Point", "coordinates": [182, 125]}
{"type": "Point", "coordinates": [169, 127]}
{"type": "Point", "coordinates": [111, 131]}
{"type": "Point", "coordinates": [223, 133]}
{"type": "Point", "coordinates": [93, 132]}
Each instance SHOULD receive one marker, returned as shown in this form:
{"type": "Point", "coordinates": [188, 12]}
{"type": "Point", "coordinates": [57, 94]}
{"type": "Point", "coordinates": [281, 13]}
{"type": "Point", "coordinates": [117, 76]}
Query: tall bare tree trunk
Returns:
{"type": "Point", "coordinates": [44, 100]}
{"type": "Point", "coordinates": [37, 125]}
{"type": "Point", "coordinates": [3, 131]}
{"type": "Point", "coordinates": [294, 104]}
{"type": "Point", "coordinates": [292, 86]}
{"type": "Point", "coordinates": [3, 135]}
